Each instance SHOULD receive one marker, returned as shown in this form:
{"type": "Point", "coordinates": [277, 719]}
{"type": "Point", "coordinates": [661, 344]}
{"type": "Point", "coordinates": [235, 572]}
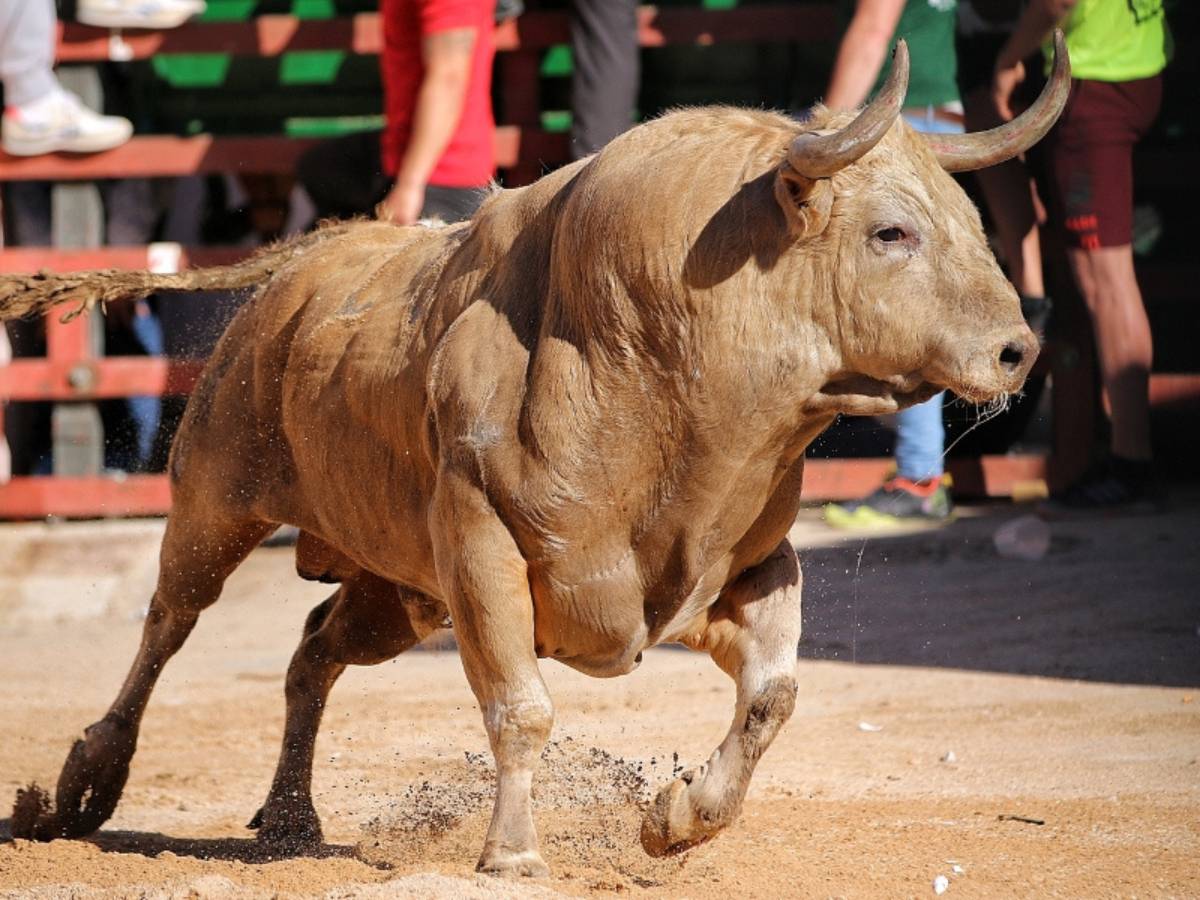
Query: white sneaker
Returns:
{"type": "Point", "coordinates": [137, 13]}
{"type": "Point", "coordinates": [57, 122]}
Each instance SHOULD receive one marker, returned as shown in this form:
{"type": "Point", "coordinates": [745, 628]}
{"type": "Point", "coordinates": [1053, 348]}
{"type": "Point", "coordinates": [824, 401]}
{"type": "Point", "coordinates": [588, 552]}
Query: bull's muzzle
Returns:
{"type": "Point", "coordinates": [1018, 355]}
{"type": "Point", "coordinates": [1013, 357]}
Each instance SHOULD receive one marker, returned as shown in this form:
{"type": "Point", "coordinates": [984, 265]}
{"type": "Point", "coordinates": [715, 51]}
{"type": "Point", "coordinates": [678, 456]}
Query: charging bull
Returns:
{"type": "Point", "coordinates": [573, 427]}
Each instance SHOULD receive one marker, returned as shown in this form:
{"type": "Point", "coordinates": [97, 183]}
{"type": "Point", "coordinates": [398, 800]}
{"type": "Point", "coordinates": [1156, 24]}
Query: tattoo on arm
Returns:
{"type": "Point", "coordinates": [443, 44]}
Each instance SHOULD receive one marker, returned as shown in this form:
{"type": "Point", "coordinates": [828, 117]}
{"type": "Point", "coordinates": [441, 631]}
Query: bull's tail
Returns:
{"type": "Point", "coordinates": [22, 296]}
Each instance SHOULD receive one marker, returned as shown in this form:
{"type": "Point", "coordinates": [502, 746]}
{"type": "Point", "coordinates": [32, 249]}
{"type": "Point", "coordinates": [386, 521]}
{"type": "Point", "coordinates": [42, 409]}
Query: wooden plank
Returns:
{"type": "Point", "coordinates": [95, 379]}
{"type": "Point", "coordinates": [988, 476]}
{"type": "Point", "coordinates": [272, 35]}
{"type": "Point", "coordinates": [1175, 389]}
{"type": "Point", "coordinates": [164, 156]}
{"type": "Point", "coordinates": [25, 260]}
{"type": "Point", "coordinates": [267, 35]}
{"type": "Point", "coordinates": [759, 23]}
{"type": "Point", "coordinates": [92, 497]}
{"type": "Point", "coordinates": [136, 495]}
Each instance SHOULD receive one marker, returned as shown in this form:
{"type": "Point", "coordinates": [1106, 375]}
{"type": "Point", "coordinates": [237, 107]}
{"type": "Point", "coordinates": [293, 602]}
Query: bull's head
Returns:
{"type": "Point", "coordinates": [917, 290]}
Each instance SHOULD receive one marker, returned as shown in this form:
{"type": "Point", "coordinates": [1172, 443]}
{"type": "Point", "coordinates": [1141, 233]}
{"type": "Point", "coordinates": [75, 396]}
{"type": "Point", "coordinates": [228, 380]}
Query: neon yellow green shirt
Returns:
{"type": "Point", "coordinates": [1116, 40]}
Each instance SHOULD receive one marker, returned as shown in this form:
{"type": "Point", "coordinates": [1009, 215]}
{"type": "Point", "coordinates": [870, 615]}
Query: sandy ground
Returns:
{"type": "Point", "coordinates": [1022, 728]}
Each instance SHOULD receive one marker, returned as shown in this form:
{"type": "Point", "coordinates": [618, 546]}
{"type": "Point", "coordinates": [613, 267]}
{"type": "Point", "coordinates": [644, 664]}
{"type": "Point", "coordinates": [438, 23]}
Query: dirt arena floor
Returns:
{"type": "Point", "coordinates": [1017, 727]}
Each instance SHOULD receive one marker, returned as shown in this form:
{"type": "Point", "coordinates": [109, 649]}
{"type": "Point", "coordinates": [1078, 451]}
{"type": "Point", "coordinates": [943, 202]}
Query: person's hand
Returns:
{"type": "Point", "coordinates": [402, 204]}
{"type": "Point", "coordinates": [1004, 82]}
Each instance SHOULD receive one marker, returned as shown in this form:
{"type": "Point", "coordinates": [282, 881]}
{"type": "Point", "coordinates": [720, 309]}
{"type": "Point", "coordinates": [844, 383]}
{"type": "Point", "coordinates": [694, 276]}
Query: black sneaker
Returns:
{"type": "Point", "coordinates": [898, 501]}
{"type": "Point", "coordinates": [1118, 486]}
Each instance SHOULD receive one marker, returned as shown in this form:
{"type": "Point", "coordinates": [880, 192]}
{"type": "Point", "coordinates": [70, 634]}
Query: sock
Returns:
{"type": "Point", "coordinates": [41, 108]}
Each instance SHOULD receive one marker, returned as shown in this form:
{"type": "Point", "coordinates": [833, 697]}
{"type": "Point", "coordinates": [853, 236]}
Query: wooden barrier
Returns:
{"type": "Point", "coordinates": [165, 156]}
{"type": "Point", "coordinates": [70, 373]}
{"type": "Point", "coordinates": [271, 35]}
{"type": "Point", "coordinates": [143, 495]}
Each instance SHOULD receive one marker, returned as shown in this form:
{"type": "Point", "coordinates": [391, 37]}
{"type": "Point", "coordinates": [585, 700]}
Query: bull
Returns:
{"type": "Point", "coordinates": [574, 427]}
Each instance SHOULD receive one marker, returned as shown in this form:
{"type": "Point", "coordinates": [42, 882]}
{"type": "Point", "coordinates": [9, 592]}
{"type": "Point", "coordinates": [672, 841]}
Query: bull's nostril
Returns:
{"type": "Point", "coordinates": [1012, 355]}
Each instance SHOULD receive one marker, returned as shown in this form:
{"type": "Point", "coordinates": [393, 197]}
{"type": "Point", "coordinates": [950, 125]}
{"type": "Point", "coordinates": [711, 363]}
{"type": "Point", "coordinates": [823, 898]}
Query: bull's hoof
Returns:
{"type": "Point", "coordinates": [88, 789]}
{"type": "Point", "coordinates": [679, 819]}
{"type": "Point", "coordinates": [505, 863]}
{"type": "Point", "coordinates": [292, 828]}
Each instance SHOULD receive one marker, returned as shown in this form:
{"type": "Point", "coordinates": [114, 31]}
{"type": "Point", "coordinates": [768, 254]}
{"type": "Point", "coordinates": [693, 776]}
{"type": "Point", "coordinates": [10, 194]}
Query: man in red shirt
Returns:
{"type": "Point", "coordinates": [434, 158]}
{"type": "Point", "coordinates": [437, 78]}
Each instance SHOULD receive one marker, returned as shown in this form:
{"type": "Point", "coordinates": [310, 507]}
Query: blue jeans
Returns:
{"type": "Point", "coordinates": [146, 411]}
{"type": "Point", "coordinates": [920, 435]}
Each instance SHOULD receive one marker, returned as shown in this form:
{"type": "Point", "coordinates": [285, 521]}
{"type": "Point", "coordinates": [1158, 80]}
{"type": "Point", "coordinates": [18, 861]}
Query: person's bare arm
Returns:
{"type": "Point", "coordinates": [1037, 21]}
{"type": "Point", "coordinates": [862, 52]}
{"type": "Point", "coordinates": [447, 56]}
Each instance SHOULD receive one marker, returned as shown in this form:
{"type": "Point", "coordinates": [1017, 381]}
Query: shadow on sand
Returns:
{"type": "Point", "coordinates": [1112, 600]}
{"type": "Point", "coordinates": [152, 843]}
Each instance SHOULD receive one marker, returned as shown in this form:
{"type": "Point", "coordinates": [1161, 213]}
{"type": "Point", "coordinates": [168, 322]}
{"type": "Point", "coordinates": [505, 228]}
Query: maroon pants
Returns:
{"type": "Point", "coordinates": [1090, 154]}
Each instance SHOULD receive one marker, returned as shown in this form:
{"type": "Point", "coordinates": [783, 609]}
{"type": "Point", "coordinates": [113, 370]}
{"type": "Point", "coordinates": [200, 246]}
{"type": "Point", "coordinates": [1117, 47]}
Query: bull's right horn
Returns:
{"type": "Point", "coordinates": [968, 152]}
{"type": "Point", "coordinates": [820, 155]}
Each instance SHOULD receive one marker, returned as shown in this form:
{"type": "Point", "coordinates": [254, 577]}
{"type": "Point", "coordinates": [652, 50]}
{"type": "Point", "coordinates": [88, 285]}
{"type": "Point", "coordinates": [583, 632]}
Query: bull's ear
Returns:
{"type": "Point", "coordinates": [802, 184]}
{"type": "Point", "coordinates": [805, 201]}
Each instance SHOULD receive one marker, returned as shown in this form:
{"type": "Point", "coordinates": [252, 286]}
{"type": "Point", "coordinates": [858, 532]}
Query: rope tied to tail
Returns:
{"type": "Point", "coordinates": [25, 296]}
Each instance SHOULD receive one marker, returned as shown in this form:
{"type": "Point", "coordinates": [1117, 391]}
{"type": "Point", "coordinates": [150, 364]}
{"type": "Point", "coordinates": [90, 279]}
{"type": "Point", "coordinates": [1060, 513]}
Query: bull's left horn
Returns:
{"type": "Point", "coordinates": [820, 155]}
{"type": "Point", "coordinates": [968, 152]}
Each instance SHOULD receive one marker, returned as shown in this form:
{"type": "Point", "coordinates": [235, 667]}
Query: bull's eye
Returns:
{"type": "Point", "coordinates": [890, 235]}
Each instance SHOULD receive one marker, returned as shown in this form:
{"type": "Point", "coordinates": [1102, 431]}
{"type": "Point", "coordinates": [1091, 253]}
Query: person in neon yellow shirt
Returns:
{"type": "Point", "coordinates": [1118, 50]}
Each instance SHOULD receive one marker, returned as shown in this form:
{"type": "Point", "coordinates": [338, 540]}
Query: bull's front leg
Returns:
{"type": "Point", "coordinates": [486, 586]}
{"type": "Point", "coordinates": [751, 633]}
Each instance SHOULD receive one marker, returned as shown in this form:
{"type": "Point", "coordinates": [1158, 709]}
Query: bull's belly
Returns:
{"type": "Point", "coordinates": [602, 629]}
{"type": "Point", "coordinates": [362, 493]}
{"type": "Point", "coordinates": [373, 514]}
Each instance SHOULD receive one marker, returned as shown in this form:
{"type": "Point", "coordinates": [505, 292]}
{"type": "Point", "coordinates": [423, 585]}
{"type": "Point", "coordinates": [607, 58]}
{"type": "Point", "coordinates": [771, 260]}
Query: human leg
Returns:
{"type": "Point", "coordinates": [27, 50]}
{"type": "Point", "coordinates": [1012, 201]}
{"type": "Point", "coordinates": [1124, 346]}
{"type": "Point", "coordinates": [1091, 172]}
{"type": "Point", "coordinates": [39, 116]}
{"type": "Point", "coordinates": [131, 214]}
{"type": "Point", "coordinates": [918, 492]}
{"type": "Point", "coordinates": [604, 82]}
{"type": "Point", "coordinates": [920, 439]}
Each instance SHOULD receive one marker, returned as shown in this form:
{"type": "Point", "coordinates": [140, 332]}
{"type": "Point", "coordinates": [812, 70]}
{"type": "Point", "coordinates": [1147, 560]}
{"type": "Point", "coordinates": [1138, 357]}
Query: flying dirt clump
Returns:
{"type": "Point", "coordinates": [590, 804]}
{"type": "Point", "coordinates": [31, 803]}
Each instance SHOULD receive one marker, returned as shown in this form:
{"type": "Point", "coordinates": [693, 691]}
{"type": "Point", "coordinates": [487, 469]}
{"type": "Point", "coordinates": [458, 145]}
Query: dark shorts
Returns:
{"type": "Point", "coordinates": [1090, 159]}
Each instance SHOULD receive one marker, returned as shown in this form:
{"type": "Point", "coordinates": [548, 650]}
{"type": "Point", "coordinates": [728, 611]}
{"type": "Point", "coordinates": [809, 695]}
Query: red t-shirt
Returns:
{"type": "Point", "coordinates": [468, 160]}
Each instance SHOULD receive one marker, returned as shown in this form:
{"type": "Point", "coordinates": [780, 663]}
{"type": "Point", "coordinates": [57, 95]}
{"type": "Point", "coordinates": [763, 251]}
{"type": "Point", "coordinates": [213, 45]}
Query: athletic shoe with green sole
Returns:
{"type": "Point", "coordinates": [898, 501]}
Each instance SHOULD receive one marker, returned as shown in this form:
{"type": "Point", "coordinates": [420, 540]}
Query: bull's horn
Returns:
{"type": "Point", "coordinates": [820, 155]}
{"type": "Point", "coordinates": [968, 152]}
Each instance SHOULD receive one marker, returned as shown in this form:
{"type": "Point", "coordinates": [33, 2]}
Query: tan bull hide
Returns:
{"type": "Point", "coordinates": [575, 425]}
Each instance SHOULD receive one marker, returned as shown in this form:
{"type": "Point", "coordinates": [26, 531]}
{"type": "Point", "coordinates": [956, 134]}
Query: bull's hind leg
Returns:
{"type": "Point", "coordinates": [751, 633]}
{"type": "Point", "coordinates": [198, 554]}
{"type": "Point", "coordinates": [367, 621]}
